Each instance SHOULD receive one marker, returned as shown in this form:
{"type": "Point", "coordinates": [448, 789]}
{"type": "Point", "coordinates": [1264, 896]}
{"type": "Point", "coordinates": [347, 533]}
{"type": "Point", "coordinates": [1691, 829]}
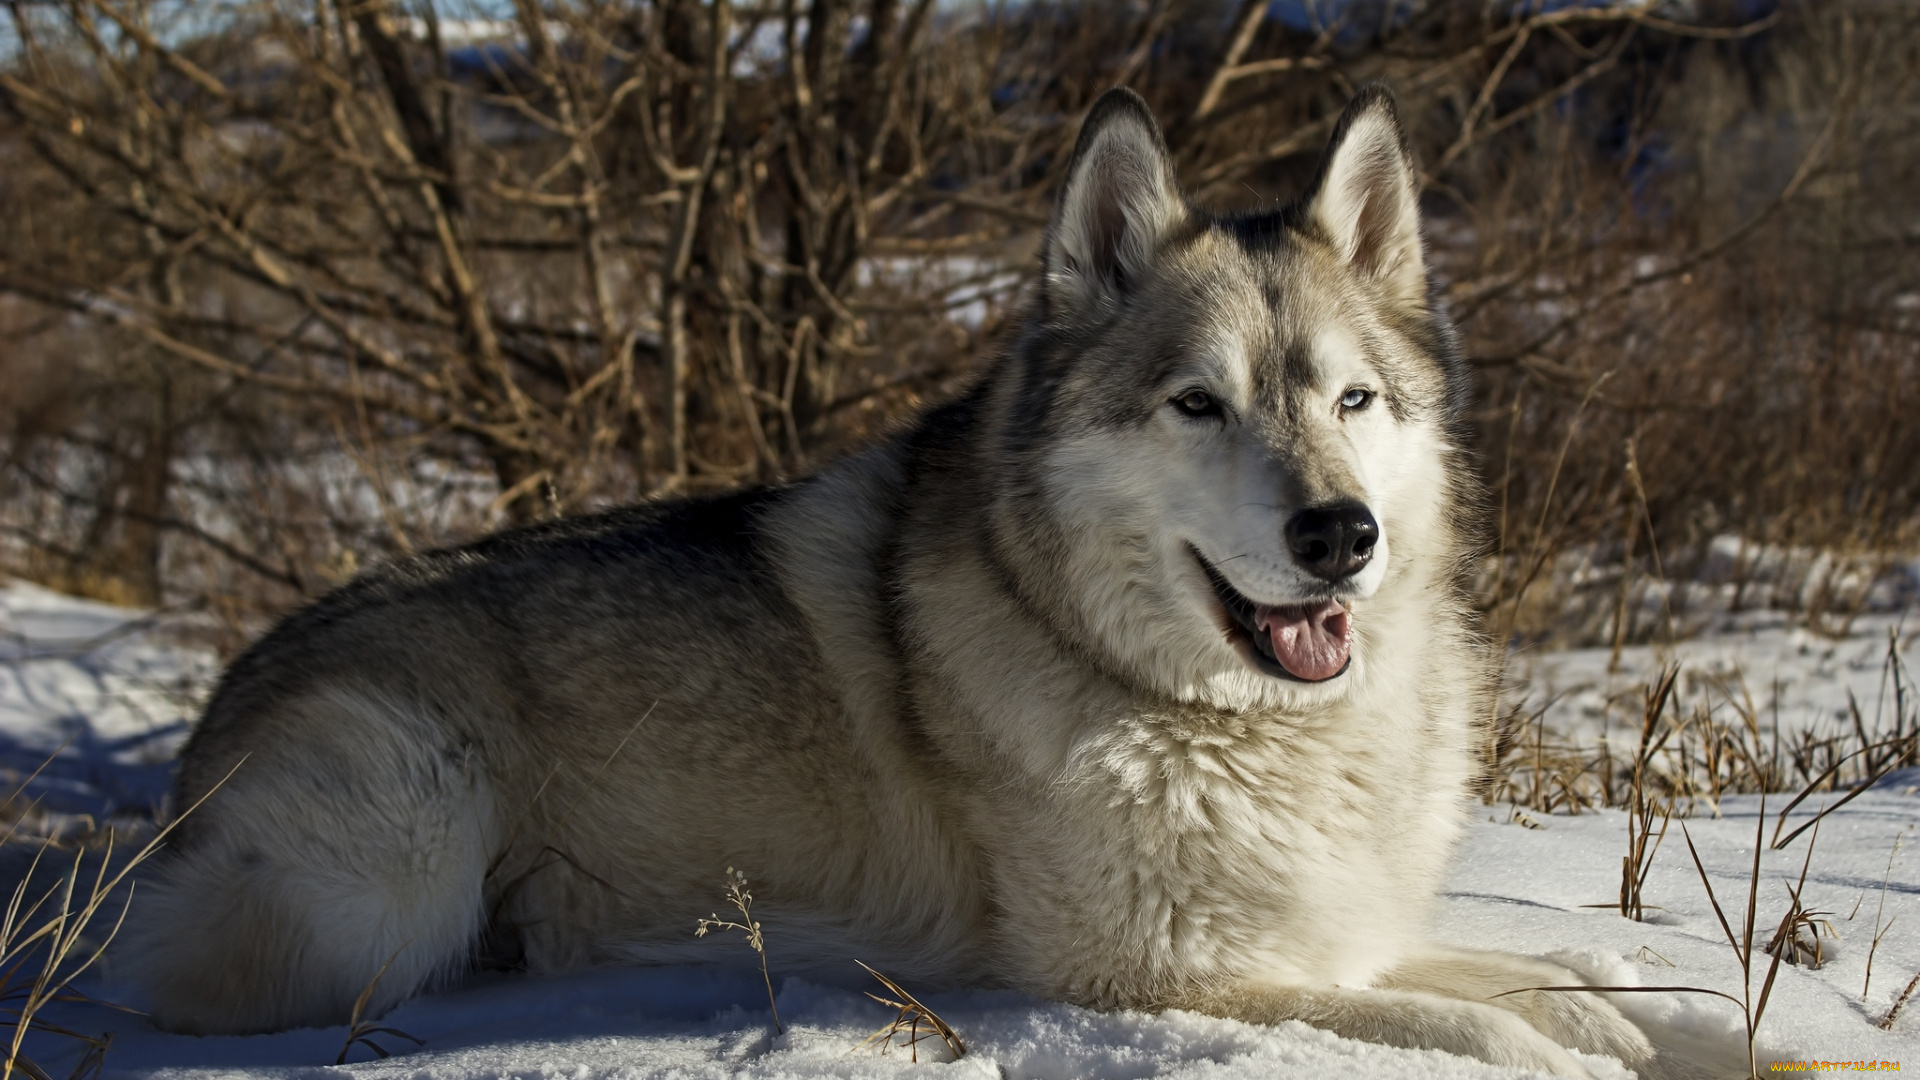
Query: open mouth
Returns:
{"type": "Point", "coordinates": [1310, 642]}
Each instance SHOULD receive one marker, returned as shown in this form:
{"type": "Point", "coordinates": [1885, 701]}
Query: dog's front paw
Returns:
{"type": "Point", "coordinates": [1503, 1038]}
{"type": "Point", "coordinates": [1583, 1020]}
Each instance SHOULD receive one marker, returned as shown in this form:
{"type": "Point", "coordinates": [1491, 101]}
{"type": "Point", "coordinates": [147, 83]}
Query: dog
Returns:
{"type": "Point", "coordinates": [1140, 675]}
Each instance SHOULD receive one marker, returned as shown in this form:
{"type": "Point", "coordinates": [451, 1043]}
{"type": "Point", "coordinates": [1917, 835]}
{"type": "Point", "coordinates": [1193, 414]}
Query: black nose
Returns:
{"type": "Point", "coordinates": [1333, 541]}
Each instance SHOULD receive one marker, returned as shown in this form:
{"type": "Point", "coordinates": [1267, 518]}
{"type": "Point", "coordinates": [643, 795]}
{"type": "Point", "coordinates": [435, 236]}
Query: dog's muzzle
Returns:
{"type": "Point", "coordinates": [1310, 642]}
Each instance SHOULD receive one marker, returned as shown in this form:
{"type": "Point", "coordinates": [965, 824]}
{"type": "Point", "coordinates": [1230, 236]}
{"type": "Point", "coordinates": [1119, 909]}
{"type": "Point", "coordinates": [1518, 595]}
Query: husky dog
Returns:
{"type": "Point", "coordinates": [1139, 676]}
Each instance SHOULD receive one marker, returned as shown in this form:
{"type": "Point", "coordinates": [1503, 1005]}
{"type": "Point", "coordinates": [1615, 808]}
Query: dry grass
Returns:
{"type": "Point", "coordinates": [1688, 755]}
{"type": "Point", "coordinates": [905, 1028]}
{"type": "Point", "coordinates": [1641, 808]}
{"type": "Point", "coordinates": [1797, 939]}
{"type": "Point", "coordinates": [1893, 1012]}
{"type": "Point", "coordinates": [1879, 928]}
{"type": "Point", "coordinates": [913, 1022]}
{"type": "Point", "coordinates": [742, 901]}
{"type": "Point", "coordinates": [1785, 942]}
{"type": "Point", "coordinates": [45, 943]}
{"type": "Point", "coordinates": [361, 1032]}
{"type": "Point", "coordinates": [1701, 738]}
{"type": "Point", "coordinates": [1752, 1009]}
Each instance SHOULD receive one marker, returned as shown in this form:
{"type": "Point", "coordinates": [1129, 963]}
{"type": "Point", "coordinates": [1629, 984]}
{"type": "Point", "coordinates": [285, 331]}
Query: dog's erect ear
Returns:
{"type": "Point", "coordinates": [1366, 202]}
{"type": "Point", "coordinates": [1120, 200]}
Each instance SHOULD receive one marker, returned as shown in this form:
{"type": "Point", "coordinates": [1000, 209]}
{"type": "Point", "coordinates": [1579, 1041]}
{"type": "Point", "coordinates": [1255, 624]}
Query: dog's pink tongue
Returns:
{"type": "Point", "coordinates": [1312, 641]}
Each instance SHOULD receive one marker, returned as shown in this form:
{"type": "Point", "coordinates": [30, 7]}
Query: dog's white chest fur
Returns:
{"type": "Point", "coordinates": [1204, 846]}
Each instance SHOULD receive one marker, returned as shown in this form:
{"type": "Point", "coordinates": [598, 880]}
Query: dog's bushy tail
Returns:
{"type": "Point", "coordinates": [348, 841]}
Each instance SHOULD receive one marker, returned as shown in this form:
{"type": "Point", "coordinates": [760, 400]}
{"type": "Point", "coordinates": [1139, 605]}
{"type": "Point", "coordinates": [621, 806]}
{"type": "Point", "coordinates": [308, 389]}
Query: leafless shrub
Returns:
{"type": "Point", "coordinates": [291, 288]}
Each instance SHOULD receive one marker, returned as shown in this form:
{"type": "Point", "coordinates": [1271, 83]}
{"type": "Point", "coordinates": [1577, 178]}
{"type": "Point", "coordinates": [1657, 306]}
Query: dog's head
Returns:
{"type": "Point", "coordinates": [1229, 434]}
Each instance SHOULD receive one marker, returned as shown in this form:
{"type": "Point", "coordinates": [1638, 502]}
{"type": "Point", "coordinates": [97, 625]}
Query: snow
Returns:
{"type": "Point", "coordinates": [116, 690]}
{"type": "Point", "coordinates": [96, 680]}
{"type": "Point", "coordinates": [1763, 658]}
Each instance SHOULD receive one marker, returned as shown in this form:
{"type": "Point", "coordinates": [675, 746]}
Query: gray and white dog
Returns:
{"type": "Point", "coordinates": [1138, 676]}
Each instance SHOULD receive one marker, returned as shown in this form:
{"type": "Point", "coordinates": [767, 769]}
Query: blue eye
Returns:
{"type": "Point", "coordinates": [1356, 398]}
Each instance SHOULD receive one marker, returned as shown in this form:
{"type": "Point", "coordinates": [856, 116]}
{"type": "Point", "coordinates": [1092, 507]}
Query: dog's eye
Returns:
{"type": "Point", "coordinates": [1197, 402]}
{"type": "Point", "coordinates": [1356, 398]}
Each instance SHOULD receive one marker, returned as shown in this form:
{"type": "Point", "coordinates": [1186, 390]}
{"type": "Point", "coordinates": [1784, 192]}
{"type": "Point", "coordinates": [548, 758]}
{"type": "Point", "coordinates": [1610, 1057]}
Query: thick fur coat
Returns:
{"type": "Point", "coordinates": [1040, 692]}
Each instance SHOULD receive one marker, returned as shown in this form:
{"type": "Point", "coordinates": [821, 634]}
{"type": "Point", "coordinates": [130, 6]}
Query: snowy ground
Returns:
{"type": "Point", "coordinates": [1762, 660]}
{"type": "Point", "coordinates": [104, 684]}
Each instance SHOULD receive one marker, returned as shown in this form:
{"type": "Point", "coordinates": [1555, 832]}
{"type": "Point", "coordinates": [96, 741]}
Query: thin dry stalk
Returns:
{"type": "Point", "coordinates": [912, 1016]}
{"type": "Point", "coordinates": [1545, 548]}
{"type": "Point", "coordinates": [1879, 930]}
{"type": "Point", "coordinates": [94, 1062]}
{"type": "Point", "coordinates": [1886, 1023]}
{"type": "Point", "coordinates": [362, 1032]}
{"type": "Point", "coordinates": [1648, 950]}
{"type": "Point", "coordinates": [1638, 861]}
{"type": "Point", "coordinates": [742, 900]}
{"type": "Point", "coordinates": [1641, 809]}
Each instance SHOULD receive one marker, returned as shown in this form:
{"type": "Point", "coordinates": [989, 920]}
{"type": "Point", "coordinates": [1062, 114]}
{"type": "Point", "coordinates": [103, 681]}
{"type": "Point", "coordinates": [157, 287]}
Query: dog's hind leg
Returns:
{"type": "Point", "coordinates": [351, 838]}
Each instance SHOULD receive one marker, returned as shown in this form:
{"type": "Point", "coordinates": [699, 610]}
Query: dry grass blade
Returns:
{"type": "Point", "coordinates": [362, 1032]}
{"type": "Point", "coordinates": [7, 803]}
{"type": "Point", "coordinates": [1742, 943]}
{"type": "Point", "coordinates": [94, 1062]}
{"type": "Point", "coordinates": [1711, 897]}
{"type": "Point", "coordinates": [1623, 990]}
{"type": "Point", "coordinates": [1879, 930]}
{"type": "Point", "coordinates": [1753, 882]}
{"type": "Point", "coordinates": [1759, 1008]}
{"type": "Point", "coordinates": [1871, 779]}
{"type": "Point", "coordinates": [912, 1014]}
{"type": "Point", "coordinates": [1899, 1003]}
{"type": "Point", "coordinates": [34, 1071]}
{"type": "Point", "coordinates": [1866, 984]}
